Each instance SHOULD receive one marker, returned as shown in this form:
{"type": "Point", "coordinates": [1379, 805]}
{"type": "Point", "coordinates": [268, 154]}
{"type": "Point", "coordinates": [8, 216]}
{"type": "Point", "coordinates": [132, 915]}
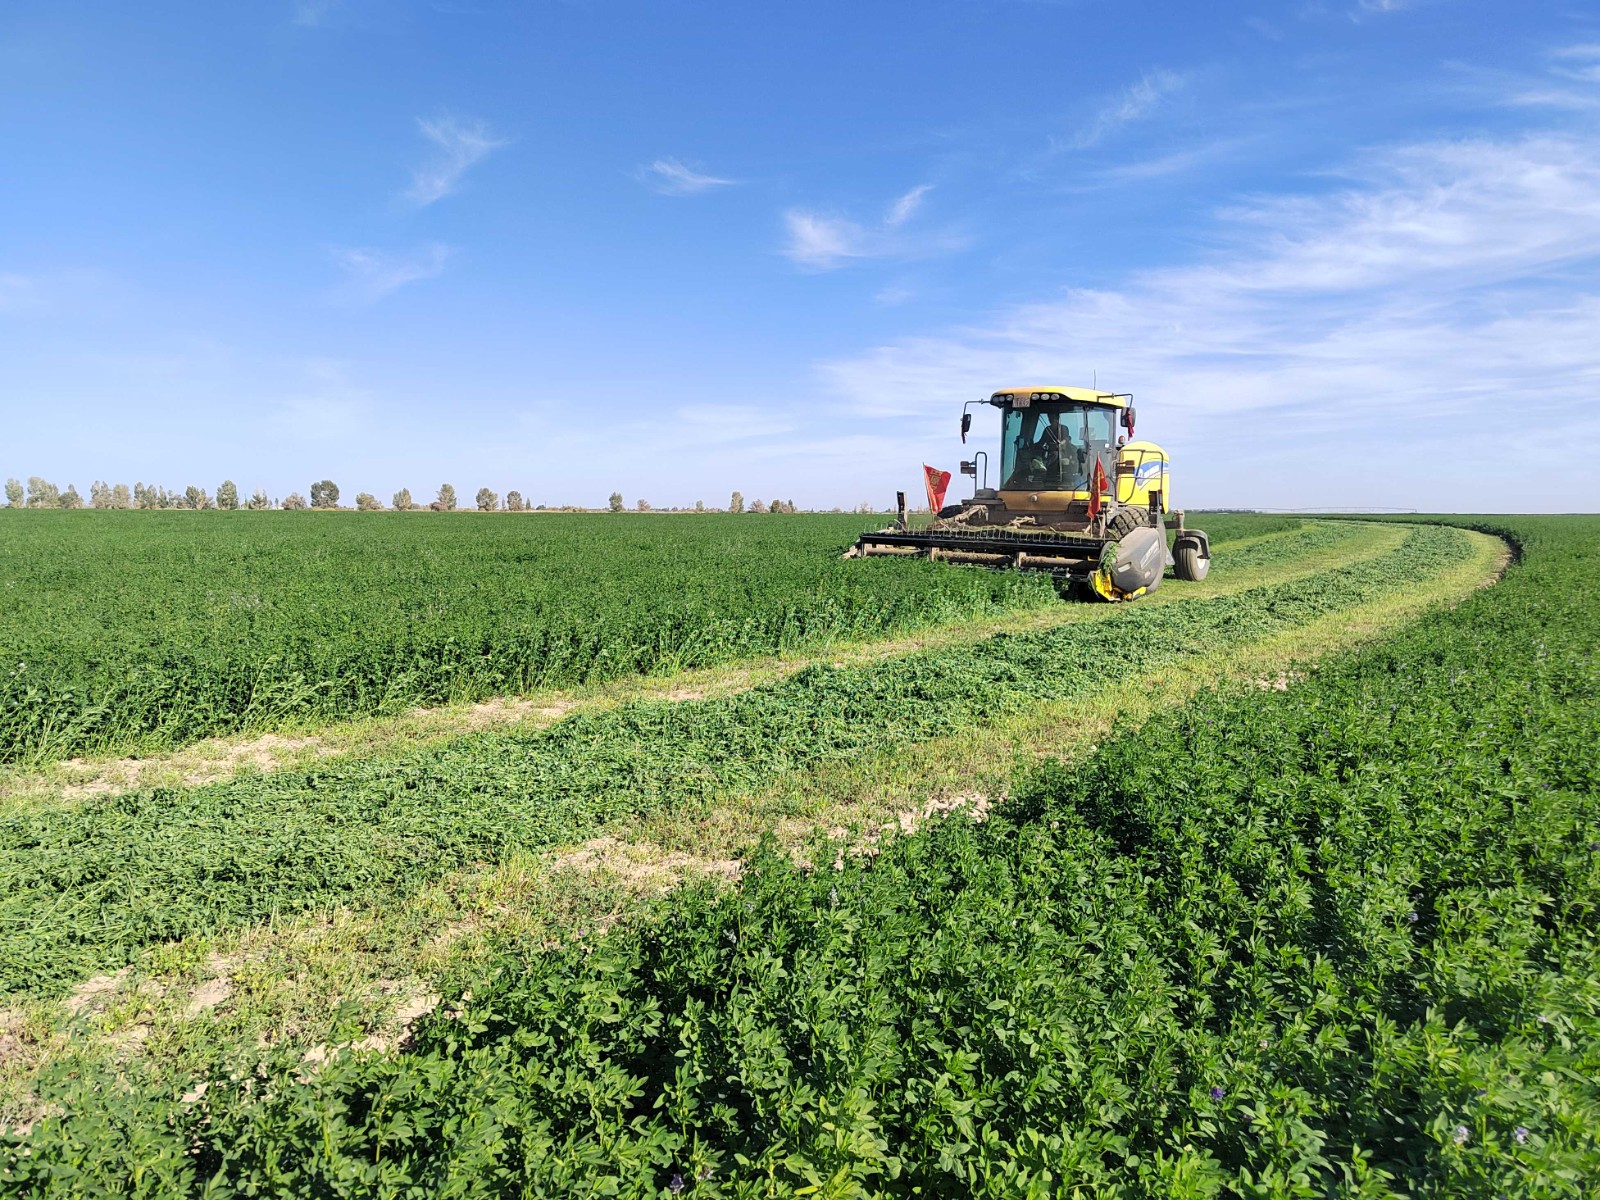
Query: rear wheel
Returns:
{"type": "Point", "coordinates": [1189, 562]}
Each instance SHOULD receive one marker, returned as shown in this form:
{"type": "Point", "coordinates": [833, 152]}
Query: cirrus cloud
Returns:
{"type": "Point", "coordinates": [825, 242]}
{"type": "Point", "coordinates": [672, 178]}
{"type": "Point", "coordinates": [460, 145]}
{"type": "Point", "coordinates": [372, 274]}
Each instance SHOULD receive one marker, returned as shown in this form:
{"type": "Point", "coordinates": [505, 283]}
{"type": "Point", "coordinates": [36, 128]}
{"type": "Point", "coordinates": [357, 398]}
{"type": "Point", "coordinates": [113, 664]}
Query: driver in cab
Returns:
{"type": "Point", "coordinates": [1053, 457]}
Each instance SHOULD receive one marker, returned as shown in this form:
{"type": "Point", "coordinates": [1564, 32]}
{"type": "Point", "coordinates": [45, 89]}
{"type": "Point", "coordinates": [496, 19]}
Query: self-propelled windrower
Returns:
{"type": "Point", "coordinates": [1079, 497]}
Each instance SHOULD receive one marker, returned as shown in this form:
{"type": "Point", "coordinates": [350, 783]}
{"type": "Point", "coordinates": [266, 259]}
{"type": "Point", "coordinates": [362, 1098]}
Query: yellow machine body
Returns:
{"type": "Point", "coordinates": [1141, 472]}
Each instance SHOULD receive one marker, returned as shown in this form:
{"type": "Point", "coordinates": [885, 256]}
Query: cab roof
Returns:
{"type": "Point", "coordinates": [1044, 393]}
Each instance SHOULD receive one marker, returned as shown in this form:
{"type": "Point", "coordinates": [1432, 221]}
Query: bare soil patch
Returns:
{"type": "Point", "coordinates": [93, 993]}
{"type": "Point", "coordinates": [641, 863]}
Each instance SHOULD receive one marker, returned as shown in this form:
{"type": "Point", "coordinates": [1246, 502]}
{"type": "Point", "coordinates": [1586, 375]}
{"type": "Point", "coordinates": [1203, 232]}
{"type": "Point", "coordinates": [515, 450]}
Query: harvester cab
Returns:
{"type": "Point", "coordinates": [1076, 495]}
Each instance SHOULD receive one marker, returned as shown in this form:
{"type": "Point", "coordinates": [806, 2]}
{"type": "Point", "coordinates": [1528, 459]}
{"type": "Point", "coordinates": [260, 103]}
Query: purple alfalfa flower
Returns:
{"type": "Point", "coordinates": [1217, 1093]}
{"type": "Point", "coordinates": [1412, 916]}
{"type": "Point", "coordinates": [676, 1185]}
{"type": "Point", "coordinates": [1521, 1134]}
{"type": "Point", "coordinates": [1462, 1134]}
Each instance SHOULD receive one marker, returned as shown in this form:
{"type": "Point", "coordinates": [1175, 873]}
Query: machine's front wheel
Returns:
{"type": "Point", "coordinates": [1189, 562]}
{"type": "Point", "coordinates": [1125, 520]}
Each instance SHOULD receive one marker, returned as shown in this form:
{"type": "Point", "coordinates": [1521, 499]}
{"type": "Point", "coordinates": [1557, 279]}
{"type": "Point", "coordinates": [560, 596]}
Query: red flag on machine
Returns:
{"type": "Point", "coordinates": [1097, 487]}
{"type": "Point", "coordinates": [938, 483]}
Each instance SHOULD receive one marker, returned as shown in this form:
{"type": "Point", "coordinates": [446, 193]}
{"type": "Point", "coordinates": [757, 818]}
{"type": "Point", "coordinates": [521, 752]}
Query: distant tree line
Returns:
{"type": "Point", "coordinates": [324, 494]}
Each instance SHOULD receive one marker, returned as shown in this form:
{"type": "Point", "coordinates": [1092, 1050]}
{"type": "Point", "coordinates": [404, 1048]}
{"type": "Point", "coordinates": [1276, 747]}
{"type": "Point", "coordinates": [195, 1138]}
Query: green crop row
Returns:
{"type": "Point", "coordinates": [87, 887]}
{"type": "Point", "coordinates": [136, 631]}
{"type": "Point", "coordinates": [1333, 941]}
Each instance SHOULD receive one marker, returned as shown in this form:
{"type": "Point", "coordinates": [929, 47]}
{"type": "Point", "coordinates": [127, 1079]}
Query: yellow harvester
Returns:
{"type": "Point", "coordinates": [1078, 496]}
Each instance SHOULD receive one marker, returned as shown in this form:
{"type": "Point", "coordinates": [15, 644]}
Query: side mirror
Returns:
{"type": "Point", "coordinates": [1127, 419]}
{"type": "Point", "coordinates": [966, 424]}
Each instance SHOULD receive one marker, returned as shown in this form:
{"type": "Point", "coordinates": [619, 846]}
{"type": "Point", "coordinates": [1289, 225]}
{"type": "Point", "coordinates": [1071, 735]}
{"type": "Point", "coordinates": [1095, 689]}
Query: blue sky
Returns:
{"type": "Point", "coordinates": [1342, 253]}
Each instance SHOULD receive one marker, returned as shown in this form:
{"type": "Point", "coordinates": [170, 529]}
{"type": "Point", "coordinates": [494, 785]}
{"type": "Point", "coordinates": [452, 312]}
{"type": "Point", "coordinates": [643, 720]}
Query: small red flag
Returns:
{"type": "Point", "coordinates": [938, 482]}
{"type": "Point", "coordinates": [1097, 485]}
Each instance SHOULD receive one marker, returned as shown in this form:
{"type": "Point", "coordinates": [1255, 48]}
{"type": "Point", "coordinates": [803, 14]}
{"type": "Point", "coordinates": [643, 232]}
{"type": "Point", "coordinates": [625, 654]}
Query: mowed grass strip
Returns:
{"type": "Point", "coordinates": [129, 632]}
{"type": "Point", "coordinates": [974, 764]}
{"type": "Point", "coordinates": [86, 888]}
{"type": "Point", "coordinates": [1253, 558]}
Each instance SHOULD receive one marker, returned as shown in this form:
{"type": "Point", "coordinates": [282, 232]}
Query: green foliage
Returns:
{"type": "Point", "coordinates": [1335, 940]}
{"type": "Point", "coordinates": [325, 494]}
{"type": "Point", "coordinates": [615, 503]}
{"type": "Point", "coordinates": [83, 888]}
{"type": "Point", "coordinates": [228, 495]}
{"type": "Point", "coordinates": [14, 493]}
{"type": "Point", "coordinates": [136, 636]}
{"type": "Point", "coordinates": [446, 500]}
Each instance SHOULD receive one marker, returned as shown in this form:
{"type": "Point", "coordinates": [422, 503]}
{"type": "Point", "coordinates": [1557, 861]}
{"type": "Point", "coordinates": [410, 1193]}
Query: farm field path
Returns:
{"type": "Point", "coordinates": [1326, 545]}
{"type": "Point", "coordinates": [358, 965]}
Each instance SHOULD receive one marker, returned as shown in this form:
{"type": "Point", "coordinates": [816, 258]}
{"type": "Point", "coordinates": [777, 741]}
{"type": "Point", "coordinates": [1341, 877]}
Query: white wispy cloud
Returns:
{"type": "Point", "coordinates": [1571, 81]}
{"type": "Point", "coordinates": [825, 242]}
{"type": "Point", "coordinates": [821, 243]}
{"type": "Point", "coordinates": [903, 209]}
{"type": "Point", "coordinates": [1137, 102]}
{"type": "Point", "coordinates": [1160, 166]}
{"type": "Point", "coordinates": [1448, 287]}
{"type": "Point", "coordinates": [460, 144]}
{"type": "Point", "coordinates": [373, 274]}
{"type": "Point", "coordinates": [672, 178]}
{"type": "Point", "coordinates": [1581, 62]}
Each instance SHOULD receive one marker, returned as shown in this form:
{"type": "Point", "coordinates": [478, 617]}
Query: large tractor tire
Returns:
{"type": "Point", "coordinates": [1125, 520]}
{"type": "Point", "coordinates": [1190, 560]}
